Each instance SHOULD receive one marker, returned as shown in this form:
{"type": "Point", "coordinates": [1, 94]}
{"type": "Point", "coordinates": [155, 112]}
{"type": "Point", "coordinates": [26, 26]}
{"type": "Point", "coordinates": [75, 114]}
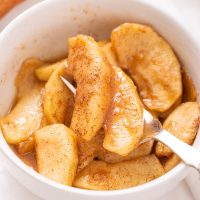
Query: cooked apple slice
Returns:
{"type": "Point", "coordinates": [44, 72]}
{"type": "Point", "coordinates": [102, 43]}
{"type": "Point", "coordinates": [88, 150]}
{"type": "Point", "coordinates": [102, 176]}
{"type": "Point", "coordinates": [109, 157]}
{"type": "Point", "coordinates": [183, 123]}
{"type": "Point", "coordinates": [56, 153]}
{"type": "Point", "coordinates": [25, 80]}
{"type": "Point", "coordinates": [164, 115]}
{"type": "Point", "coordinates": [107, 49]}
{"type": "Point", "coordinates": [91, 72]}
{"type": "Point", "coordinates": [151, 62]}
{"type": "Point", "coordinates": [171, 162]}
{"type": "Point", "coordinates": [189, 90]}
{"type": "Point", "coordinates": [58, 99]}
{"type": "Point", "coordinates": [124, 121]}
{"type": "Point", "coordinates": [44, 122]}
{"type": "Point", "coordinates": [24, 119]}
{"type": "Point", "coordinates": [27, 146]}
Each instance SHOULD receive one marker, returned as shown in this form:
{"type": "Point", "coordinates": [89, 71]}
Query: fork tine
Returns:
{"type": "Point", "coordinates": [69, 85]}
{"type": "Point", "coordinates": [147, 116]}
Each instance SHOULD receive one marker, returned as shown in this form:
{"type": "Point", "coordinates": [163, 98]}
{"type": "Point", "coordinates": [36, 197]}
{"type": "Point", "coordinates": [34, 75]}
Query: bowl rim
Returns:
{"type": "Point", "coordinates": [180, 168]}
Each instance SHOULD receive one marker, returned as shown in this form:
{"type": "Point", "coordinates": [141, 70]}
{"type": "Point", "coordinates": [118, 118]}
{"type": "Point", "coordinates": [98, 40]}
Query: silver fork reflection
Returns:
{"type": "Point", "coordinates": [188, 154]}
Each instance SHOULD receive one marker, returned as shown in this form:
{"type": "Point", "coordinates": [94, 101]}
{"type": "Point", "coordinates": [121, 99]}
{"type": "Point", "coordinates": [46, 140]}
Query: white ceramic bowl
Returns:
{"type": "Point", "coordinates": [42, 32]}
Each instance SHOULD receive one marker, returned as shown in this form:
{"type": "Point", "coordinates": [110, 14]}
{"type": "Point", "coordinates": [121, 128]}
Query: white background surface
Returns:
{"type": "Point", "coordinates": [188, 11]}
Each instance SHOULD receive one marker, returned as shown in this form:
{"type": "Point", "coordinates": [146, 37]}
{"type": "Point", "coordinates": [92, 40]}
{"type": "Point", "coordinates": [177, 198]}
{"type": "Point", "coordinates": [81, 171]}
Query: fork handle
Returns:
{"type": "Point", "coordinates": [188, 154]}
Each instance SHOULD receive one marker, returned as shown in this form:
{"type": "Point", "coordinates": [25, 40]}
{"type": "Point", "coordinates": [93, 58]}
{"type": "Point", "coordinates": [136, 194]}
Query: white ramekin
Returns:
{"type": "Point", "coordinates": [42, 32]}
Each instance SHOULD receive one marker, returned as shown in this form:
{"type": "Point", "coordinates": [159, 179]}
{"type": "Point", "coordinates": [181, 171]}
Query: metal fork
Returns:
{"type": "Point", "coordinates": [188, 154]}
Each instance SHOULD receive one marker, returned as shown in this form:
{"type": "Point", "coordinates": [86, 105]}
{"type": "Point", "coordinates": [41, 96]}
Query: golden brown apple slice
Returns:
{"type": "Point", "coordinates": [44, 72]}
{"type": "Point", "coordinates": [24, 119]}
{"type": "Point", "coordinates": [102, 176]}
{"type": "Point", "coordinates": [88, 150]}
{"type": "Point", "coordinates": [58, 99]}
{"type": "Point", "coordinates": [56, 153]}
{"type": "Point", "coordinates": [109, 157]}
{"type": "Point", "coordinates": [27, 146]}
{"type": "Point", "coordinates": [124, 121]}
{"type": "Point", "coordinates": [189, 90]}
{"type": "Point", "coordinates": [91, 72]}
{"type": "Point", "coordinates": [171, 162]}
{"type": "Point", "coordinates": [183, 123]}
{"type": "Point", "coordinates": [44, 122]}
{"type": "Point", "coordinates": [164, 115]}
{"type": "Point", "coordinates": [107, 49]}
{"type": "Point", "coordinates": [151, 62]}
{"type": "Point", "coordinates": [26, 80]}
